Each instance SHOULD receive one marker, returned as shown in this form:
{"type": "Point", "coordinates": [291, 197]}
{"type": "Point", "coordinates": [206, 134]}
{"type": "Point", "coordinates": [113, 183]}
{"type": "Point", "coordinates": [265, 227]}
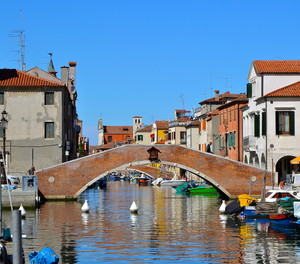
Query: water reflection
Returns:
{"type": "Point", "coordinates": [167, 228]}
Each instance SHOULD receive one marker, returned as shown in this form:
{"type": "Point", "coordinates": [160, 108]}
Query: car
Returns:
{"type": "Point", "coordinates": [12, 180]}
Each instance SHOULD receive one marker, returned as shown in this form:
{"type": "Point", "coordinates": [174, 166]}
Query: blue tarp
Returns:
{"type": "Point", "coordinates": [45, 256]}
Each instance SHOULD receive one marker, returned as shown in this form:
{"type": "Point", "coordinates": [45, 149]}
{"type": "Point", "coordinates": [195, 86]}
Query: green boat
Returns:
{"type": "Point", "coordinates": [203, 190]}
{"type": "Point", "coordinates": [182, 189]}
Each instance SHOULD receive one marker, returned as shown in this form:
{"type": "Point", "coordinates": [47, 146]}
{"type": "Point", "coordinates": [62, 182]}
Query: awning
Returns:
{"type": "Point", "coordinates": [295, 160]}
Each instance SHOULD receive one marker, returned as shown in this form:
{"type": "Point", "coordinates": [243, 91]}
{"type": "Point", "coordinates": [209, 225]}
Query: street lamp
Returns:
{"type": "Point", "coordinates": [4, 124]}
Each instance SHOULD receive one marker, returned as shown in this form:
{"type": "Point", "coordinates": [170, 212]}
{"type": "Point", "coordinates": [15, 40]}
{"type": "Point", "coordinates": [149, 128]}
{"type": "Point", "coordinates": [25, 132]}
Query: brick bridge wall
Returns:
{"type": "Point", "coordinates": [70, 179]}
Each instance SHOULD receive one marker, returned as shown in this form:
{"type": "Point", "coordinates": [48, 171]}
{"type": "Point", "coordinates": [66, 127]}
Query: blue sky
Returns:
{"type": "Point", "coordinates": [148, 58]}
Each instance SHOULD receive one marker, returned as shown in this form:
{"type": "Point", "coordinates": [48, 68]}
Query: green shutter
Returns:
{"type": "Point", "coordinates": [233, 139]}
{"type": "Point", "coordinates": [228, 140]}
{"type": "Point", "coordinates": [249, 90]}
{"type": "Point", "coordinates": [264, 124]}
{"type": "Point", "coordinates": [256, 126]}
{"type": "Point", "coordinates": [277, 123]}
{"type": "Point", "coordinates": [292, 123]}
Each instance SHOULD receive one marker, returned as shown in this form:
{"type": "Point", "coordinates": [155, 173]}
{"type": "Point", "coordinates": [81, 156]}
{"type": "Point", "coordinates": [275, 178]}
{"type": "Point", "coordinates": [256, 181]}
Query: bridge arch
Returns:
{"type": "Point", "coordinates": [70, 179]}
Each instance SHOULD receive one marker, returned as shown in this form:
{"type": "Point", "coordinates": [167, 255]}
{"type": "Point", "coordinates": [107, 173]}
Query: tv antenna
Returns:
{"type": "Point", "coordinates": [182, 99]}
{"type": "Point", "coordinates": [20, 34]}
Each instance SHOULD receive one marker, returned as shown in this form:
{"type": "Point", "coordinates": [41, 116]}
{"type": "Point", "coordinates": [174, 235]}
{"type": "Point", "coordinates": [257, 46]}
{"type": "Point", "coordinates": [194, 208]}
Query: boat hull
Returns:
{"type": "Point", "coordinates": [172, 183]}
{"type": "Point", "coordinates": [200, 190]}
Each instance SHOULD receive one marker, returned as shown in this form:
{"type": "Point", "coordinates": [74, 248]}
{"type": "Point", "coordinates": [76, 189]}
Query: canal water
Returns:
{"type": "Point", "coordinates": [168, 228]}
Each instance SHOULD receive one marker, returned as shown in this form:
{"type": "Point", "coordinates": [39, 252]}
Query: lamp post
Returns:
{"type": "Point", "coordinates": [4, 124]}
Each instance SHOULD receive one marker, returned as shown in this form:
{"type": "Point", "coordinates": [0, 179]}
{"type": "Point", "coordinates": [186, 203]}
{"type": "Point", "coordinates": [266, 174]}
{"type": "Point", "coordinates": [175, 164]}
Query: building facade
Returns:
{"type": "Point", "coordinates": [42, 117]}
{"type": "Point", "coordinates": [271, 133]}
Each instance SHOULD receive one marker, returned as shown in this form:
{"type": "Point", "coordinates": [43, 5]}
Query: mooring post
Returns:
{"type": "Point", "coordinates": [17, 237]}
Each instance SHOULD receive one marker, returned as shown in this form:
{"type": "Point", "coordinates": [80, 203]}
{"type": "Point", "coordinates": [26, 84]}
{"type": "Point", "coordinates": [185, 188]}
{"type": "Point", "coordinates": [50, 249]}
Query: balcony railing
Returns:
{"type": "Point", "coordinates": [183, 141]}
{"type": "Point", "coordinates": [249, 143]}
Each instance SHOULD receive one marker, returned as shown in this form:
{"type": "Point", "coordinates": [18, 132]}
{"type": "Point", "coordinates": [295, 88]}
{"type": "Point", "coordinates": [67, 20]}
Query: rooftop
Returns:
{"type": "Point", "coordinates": [277, 66]}
{"type": "Point", "coordinates": [16, 78]}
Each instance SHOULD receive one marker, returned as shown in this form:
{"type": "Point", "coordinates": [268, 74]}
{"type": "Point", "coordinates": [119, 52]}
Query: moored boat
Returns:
{"type": "Point", "coordinates": [172, 183]}
{"type": "Point", "coordinates": [203, 190]}
{"type": "Point", "coordinates": [276, 194]}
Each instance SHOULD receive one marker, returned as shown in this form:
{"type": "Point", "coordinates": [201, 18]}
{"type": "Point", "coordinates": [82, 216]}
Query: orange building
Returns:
{"type": "Point", "coordinates": [117, 133]}
{"type": "Point", "coordinates": [231, 128]}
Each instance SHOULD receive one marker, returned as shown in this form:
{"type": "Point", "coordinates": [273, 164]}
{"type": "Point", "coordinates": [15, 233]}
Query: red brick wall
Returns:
{"type": "Point", "coordinates": [69, 179]}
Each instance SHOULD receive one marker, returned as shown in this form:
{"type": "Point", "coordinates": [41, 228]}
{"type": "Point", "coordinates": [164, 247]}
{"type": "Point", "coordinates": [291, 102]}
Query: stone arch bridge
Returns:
{"type": "Point", "coordinates": [68, 180]}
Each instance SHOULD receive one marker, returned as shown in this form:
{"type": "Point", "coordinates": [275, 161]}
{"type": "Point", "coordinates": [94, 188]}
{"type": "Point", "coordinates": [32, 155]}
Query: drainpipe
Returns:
{"type": "Point", "coordinates": [239, 130]}
{"type": "Point", "coordinates": [265, 172]}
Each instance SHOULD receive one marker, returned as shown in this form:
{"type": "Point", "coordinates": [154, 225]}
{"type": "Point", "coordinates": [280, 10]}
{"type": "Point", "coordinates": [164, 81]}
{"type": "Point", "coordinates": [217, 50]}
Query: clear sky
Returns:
{"type": "Point", "coordinates": [148, 58]}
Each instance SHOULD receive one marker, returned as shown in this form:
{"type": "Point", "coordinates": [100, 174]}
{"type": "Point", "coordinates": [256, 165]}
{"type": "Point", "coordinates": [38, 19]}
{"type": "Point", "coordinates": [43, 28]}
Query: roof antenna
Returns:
{"type": "Point", "coordinates": [182, 99]}
{"type": "Point", "coordinates": [21, 35]}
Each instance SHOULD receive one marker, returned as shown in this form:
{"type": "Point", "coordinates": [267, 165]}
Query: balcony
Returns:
{"type": "Point", "coordinates": [178, 123]}
{"type": "Point", "coordinates": [183, 141]}
{"type": "Point", "coordinates": [249, 143]}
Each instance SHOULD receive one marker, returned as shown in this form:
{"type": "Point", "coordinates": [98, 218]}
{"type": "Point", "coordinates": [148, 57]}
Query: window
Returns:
{"type": "Point", "coordinates": [49, 98]}
{"type": "Point", "coordinates": [249, 90]}
{"type": "Point", "coordinates": [109, 139]}
{"type": "Point", "coordinates": [1, 98]}
{"type": "Point", "coordinates": [140, 138]}
{"type": "Point", "coordinates": [182, 134]}
{"type": "Point", "coordinates": [49, 129]}
{"type": "Point", "coordinates": [231, 139]}
{"type": "Point", "coordinates": [256, 125]}
{"type": "Point", "coordinates": [264, 124]}
{"type": "Point", "coordinates": [285, 123]}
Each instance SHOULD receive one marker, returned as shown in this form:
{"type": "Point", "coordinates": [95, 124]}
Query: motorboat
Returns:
{"type": "Point", "coordinates": [172, 183]}
{"type": "Point", "coordinates": [274, 195]}
{"type": "Point", "coordinates": [203, 189]}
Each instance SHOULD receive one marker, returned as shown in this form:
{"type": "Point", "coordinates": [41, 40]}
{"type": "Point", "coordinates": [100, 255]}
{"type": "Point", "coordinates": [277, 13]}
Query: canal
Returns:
{"type": "Point", "coordinates": [168, 228]}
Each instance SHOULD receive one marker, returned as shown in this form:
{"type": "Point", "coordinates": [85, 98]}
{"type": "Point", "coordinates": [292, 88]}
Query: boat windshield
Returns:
{"type": "Point", "coordinates": [268, 194]}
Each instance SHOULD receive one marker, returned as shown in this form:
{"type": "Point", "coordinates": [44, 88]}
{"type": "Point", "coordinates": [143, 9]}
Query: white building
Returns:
{"type": "Point", "coordinates": [271, 134]}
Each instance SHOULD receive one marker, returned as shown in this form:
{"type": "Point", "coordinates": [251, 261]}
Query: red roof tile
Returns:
{"type": "Point", "coordinates": [222, 98]}
{"type": "Point", "coordinates": [145, 129]}
{"type": "Point", "coordinates": [287, 91]}
{"type": "Point", "coordinates": [277, 66]}
{"type": "Point", "coordinates": [118, 129]}
{"type": "Point", "coordinates": [16, 78]}
{"type": "Point", "coordinates": [162, 124]}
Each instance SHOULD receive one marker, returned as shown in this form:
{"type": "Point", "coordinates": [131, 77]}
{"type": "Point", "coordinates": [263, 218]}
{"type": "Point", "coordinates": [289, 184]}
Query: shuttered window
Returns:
{"type": "Point", "coordinates": [285, 123]}
{"type": "Point", "coordinates": [264, 124]}
{"type": "Point", "coordinates": [249, 90]}
{"type": "Point", "coordinates": [1, 98]}
{"type": "Point", "coordinates": [49, 129]}
{"type": "Point", "coordinates": [49, 98]}
{"type": "Point", "coordinates": [256, 125]}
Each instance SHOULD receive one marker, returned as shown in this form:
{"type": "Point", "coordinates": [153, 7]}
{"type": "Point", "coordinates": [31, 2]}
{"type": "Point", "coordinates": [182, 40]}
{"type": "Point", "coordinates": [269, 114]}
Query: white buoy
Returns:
{"type": "Point", "coordinates": [223, 218]}
{"type": "Point", "coordinates": [85, 207]}
{"type": "Point", "coordinates": [134, 208]}
{"type": "Point", "coordinates": [23, 212]}
{"type": "Point", "coordinates": [222, 207]}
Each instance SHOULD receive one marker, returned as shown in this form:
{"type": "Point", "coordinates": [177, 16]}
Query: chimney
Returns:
{"type": "Point", "coordinates": [72, 65]}
{"type": "Point", "coordinates": [217, 95]}
{"type": "Point", "coordinates": [64, 74]}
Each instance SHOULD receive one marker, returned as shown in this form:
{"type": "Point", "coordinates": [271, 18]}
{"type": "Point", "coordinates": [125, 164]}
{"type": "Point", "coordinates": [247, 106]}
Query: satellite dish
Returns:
{"type": "Point", "coordinates": [73, 89]}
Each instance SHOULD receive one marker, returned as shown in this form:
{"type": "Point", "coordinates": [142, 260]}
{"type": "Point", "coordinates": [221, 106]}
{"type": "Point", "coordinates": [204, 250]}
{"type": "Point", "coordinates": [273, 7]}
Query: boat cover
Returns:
{"type": "Point", "coordinates": [246, 200]}
{"type": "Point", "coordinates": [233, 207]}
{"type": "Point", "coordinates": [297, 209]}
{"type": "Point", "coordinates": [45, 256]}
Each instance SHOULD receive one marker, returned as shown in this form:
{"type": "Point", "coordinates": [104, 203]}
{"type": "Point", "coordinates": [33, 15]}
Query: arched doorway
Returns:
{"type": "Point", "coordinates": [283, 167]}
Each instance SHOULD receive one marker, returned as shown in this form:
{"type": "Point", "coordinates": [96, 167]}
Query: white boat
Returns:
{"type": "Point", "coordinates": [273, 195]}
{"type": "Point", "coordinates": [172, 183]}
